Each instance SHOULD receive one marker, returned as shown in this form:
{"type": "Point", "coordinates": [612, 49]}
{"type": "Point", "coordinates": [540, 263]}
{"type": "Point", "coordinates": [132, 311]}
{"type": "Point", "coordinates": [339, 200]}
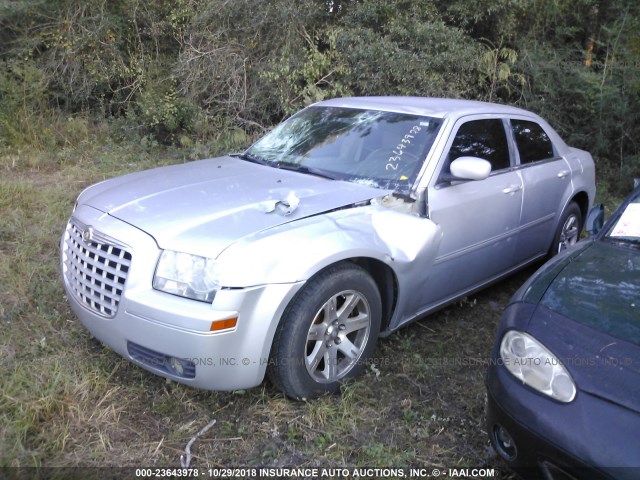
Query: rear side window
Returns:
{"type": "Point", "coordinates": [483, 139]}
{"type": "Point", "coordinates": [532, 141]}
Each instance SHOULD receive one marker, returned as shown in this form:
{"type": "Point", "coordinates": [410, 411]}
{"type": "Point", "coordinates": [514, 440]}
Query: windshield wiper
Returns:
{"type": "Point", "coordinates": [304, 169]}
{"type": "Point", "coordinates": [249, 157]}
{"type": "Point", "coordinates": [252, 158]}
{"type": "Point", "coordinates": [624, 241]}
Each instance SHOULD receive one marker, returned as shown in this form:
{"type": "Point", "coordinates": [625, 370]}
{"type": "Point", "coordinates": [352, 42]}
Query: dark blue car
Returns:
{"type": "Point", "coordinates": [564, 381]}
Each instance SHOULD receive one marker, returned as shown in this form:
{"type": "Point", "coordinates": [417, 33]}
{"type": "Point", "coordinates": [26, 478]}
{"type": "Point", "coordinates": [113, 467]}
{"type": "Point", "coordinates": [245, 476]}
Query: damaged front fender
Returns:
{"type": "Point", "coordinates": [408, 238]}
{"type": "Point", "coordinates": [296, 251]}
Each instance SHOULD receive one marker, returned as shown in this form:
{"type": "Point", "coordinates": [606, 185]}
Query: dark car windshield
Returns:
{"type": "Point", "coordinates": [380, 149]}
{"type": "Point", "coordinates": [627, 227]}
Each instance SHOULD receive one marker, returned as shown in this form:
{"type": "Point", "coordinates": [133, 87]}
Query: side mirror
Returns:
{"type": "Point", "coordinates": [470, 168]}
{"type": "Point", "coordinates": [595, 219]}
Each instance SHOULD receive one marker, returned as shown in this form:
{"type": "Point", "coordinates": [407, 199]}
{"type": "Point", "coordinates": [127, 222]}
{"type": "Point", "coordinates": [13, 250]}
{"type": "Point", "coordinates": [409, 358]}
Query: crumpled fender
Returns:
{"type": "Point", "coordinates": [295, 251]}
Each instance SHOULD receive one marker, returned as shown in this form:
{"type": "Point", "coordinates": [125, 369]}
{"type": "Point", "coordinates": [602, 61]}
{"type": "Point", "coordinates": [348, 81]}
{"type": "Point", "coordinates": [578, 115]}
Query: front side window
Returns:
{"type": "Point", "coordinates": [380, 149]}
{"type": "Point", "coordinates": [484, 139]}
{"type": "Point", "coordinates": [532, 141]}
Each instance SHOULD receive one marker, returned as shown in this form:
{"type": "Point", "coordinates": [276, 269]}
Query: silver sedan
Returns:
{"type": "Point", "coordinates": [347, 221]}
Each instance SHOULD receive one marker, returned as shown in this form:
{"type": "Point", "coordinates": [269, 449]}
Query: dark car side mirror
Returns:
{"type": "Point", "coordinates": [595, 219]}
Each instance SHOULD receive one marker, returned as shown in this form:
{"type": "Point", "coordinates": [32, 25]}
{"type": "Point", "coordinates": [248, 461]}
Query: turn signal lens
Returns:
{"type": "Point", "coordinates": [223, 324]}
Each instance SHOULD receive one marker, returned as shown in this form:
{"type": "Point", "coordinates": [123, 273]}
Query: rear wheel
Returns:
{"type": "Point", "coordinates": [569, 229]}
{"type": "Point", "coordinates": [327, 332]}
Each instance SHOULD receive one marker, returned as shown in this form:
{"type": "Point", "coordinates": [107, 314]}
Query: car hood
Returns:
{"type": "Point", "coordinates": [600, 288]}
{"type": "Point", "coordinates": [202, 207]}
{"type": "Point", "coordinates": [589, 318]}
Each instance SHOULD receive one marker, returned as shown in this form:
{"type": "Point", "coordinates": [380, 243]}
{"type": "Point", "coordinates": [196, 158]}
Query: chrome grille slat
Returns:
{"type": "Point", "coordinates": [95, 270]}
{"type": "Point", "coordinates": [91, 274]}
{"type": "Point", "coordinates": [93, 289]}
{"type": "Point", "coordinates": [107, 255]}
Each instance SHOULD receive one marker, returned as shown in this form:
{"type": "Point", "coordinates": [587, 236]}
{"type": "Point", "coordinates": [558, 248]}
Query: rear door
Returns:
{"type": "Point", "coordinates": [546, 176]}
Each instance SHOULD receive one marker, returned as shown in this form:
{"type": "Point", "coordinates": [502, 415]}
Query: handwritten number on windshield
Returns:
{"type": "Point", "coordinates": [399, 150]}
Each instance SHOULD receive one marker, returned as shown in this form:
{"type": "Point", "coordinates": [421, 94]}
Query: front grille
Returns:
{"type": "Point", "coordinates": [95, 269]}
{"type": "Point", "coordinates": [159, 361]}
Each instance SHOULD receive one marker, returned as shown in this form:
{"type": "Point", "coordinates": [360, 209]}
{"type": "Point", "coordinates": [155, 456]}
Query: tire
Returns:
{"type": "Point", "coordinates": [568, 231]}
{"type": "Point", "coordinates": [326, 333]}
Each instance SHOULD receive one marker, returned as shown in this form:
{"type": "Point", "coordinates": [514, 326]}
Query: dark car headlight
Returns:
{"type": "Point", "coordinates": [531, 362]}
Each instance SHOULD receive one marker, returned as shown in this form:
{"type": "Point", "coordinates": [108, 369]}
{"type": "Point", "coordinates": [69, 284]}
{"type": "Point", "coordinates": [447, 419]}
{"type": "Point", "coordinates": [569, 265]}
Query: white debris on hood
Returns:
{"type": "Point", "coordinates": [284, 207]}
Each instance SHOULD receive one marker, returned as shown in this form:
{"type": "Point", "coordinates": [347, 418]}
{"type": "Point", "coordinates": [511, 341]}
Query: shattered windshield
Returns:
{"type": "Point", "coordinates": [379, 149]}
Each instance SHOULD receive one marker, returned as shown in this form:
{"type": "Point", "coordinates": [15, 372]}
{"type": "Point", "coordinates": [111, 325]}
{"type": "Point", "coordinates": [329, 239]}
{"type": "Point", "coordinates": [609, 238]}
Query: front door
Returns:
{"type": "Point", "coordinates": [479, 219]}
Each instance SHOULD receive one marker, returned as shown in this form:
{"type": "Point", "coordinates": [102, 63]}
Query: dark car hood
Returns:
{"type": "Point", "coordinates": [600, 288]}
{"type": "Point", "coordinates": [589, 317]}
{"type": "Point", "coordinates": [202, 207]}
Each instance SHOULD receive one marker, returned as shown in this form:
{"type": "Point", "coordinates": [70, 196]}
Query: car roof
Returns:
{"type": "Point", "coordinates": [428, 106]}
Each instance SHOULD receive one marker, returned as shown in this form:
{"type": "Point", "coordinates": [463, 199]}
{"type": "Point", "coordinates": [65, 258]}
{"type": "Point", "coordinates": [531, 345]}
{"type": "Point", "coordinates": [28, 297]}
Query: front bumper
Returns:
{"type": "Point", "coordinates": [587, 438]}
{"type": "Point", "coordinates": [159, 331]}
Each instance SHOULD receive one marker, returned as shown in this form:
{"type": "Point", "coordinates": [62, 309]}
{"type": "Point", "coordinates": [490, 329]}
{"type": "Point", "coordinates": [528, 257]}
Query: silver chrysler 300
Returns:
{"type": "Point", "coordinates": [348, 220]}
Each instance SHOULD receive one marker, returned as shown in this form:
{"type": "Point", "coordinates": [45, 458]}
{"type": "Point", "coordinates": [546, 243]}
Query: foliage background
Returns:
{"type": "Point", "coordinates": [189, 72]}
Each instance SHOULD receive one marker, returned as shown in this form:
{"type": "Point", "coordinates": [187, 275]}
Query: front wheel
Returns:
{"type": "Point", "coordinates": [327, 332]}
{"type": "Point", "coordinates": [568, 232]}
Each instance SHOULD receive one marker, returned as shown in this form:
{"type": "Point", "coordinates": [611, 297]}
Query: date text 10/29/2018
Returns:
{"type": "Point", "coordinates": [320, 473]}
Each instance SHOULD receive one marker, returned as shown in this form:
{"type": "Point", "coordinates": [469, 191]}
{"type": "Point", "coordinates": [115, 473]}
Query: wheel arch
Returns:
{"type": "Point", "coordinates": [582, 200]}
{"type": "Point", "coordinates": [382, 274]}
{"type": "Point", "coordinates": [387, 283]}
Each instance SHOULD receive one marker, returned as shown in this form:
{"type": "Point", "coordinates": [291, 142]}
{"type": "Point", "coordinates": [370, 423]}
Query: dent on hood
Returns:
{"type": "Point", "coordinates": [285, 206]}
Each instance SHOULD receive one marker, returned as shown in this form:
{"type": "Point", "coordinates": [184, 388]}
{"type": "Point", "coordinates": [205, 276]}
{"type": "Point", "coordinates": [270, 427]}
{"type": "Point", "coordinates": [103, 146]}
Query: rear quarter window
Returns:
{"type": "Point", "coordinates": [532, 141]}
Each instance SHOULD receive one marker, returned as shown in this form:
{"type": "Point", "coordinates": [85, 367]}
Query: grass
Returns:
{"type": "Point", "coordinates": [67, 401]}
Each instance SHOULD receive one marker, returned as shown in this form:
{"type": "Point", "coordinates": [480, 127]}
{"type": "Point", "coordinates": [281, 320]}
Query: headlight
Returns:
{"type": "Point", "coordinates": [531, 362]}
{"type": "Point", "coordinates": [186, 275]}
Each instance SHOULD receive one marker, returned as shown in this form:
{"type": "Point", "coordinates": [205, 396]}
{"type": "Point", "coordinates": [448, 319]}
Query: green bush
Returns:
{"type": "Point", "coordinates": [178, 71]}
{"type": "Point", "coordinates": [163, 114]}
{"type": "Point", "coordinates": [23, 93]}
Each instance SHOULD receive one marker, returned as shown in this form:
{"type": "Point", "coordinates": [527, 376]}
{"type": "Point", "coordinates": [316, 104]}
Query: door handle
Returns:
{"type": "Point", "coordinates": [512, 189]}
{"type": "Point", "coordinates": [563, 174]}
